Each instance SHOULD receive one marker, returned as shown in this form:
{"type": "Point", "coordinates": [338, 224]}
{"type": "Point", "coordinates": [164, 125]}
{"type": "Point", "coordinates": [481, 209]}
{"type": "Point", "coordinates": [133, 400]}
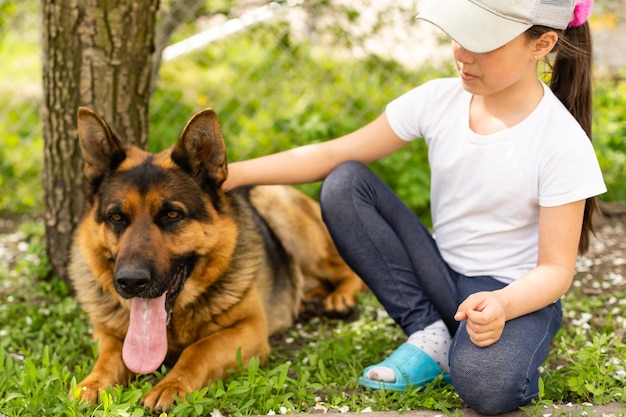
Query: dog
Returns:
{"type": "Point", "coordinates": [172, 269]}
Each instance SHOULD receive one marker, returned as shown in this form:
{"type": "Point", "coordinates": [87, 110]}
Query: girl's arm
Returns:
{"type": "Point", "coordinates": [559, 232]}
{"type": "Point", "coordinates": [313, 162]}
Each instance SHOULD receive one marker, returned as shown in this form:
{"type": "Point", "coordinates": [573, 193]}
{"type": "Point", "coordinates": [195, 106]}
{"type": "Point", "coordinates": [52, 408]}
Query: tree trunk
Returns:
{"type": "Point", "coordinates": [96, 53]}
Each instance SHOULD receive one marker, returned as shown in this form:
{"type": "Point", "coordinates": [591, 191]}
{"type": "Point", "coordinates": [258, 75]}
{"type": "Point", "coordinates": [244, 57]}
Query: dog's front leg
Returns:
{"type": "Point", "coordinates": [207, 360]}
{"type": "Point", "coordinates": [109, 368]}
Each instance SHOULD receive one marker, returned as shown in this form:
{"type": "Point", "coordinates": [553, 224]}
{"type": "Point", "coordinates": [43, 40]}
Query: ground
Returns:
{"type": "Point", "coordinates": [607, 254]}
{"type": "Point", "coordinates": [603, 269]}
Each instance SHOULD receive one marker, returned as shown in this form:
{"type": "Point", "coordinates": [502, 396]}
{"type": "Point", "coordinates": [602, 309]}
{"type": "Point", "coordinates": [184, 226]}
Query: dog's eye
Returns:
{"type": "Point", "coordinates": [174, 215]}
{"type": "Point", "coordinates": [116, 217]}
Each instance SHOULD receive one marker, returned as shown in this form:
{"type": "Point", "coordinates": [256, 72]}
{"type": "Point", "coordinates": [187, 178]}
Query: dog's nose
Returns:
{"type": "Point", "coordinates": [133, 280]}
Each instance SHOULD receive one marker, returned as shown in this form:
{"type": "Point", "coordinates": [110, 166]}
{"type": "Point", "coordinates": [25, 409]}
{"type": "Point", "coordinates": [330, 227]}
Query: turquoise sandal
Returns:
{"type": "Point", "coordinates": [412, 367]}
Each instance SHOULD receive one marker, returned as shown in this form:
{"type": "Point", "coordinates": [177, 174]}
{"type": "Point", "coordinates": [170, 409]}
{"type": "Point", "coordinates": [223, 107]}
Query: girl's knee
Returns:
{"type": "Point", "coordinates": [492, 385]}
{"type": "Point", "coordinates": [338, 183]}
{"type": "Point", "coordinates": [493, 379]}
{"type": "Point", "coordinates": [341, 176]}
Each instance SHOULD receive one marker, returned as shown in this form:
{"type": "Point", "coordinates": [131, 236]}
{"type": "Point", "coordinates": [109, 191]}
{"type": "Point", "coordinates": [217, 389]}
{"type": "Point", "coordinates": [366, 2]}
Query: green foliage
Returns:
{"type": "Point", "coordinates": [7, 9]}
{"type": "Point", "coordinates": [320, 98]}
{"type": "Point", "coordinates": [272, 92]}
{"type": "Point", "coordinates": [257, 390]}
{"type": "Point", "coordinates": [609, 133]}
{"type": "Point", "coordinates": [587, 360]}
{"type": "Point", "coordinates": [21, 143]}
{"type": "Point", "coordinates": [35, 312]}
{"type": "Point", "coordinates": [590, 368]}
{"type": "Point", "coordinates": [20, 179]}
{"type": "Point", "coordinates": [589, 375]}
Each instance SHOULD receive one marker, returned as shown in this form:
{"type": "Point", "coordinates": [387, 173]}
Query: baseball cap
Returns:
{"type": "Point", "coordinates": [485, 25]}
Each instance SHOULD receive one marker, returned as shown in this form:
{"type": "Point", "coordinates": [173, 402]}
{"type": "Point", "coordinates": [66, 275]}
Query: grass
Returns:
{"type": "Point", "coordinates": [46, 348]}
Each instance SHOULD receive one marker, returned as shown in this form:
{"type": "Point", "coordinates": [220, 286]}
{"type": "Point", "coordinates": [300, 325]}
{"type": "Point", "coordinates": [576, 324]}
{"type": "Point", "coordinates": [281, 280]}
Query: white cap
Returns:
{"type": "Point", "coordinates": [485, 25]}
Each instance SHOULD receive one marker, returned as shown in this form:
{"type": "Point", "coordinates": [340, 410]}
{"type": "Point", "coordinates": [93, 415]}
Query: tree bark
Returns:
{"type": "Point", "coordinates": [100, 54]}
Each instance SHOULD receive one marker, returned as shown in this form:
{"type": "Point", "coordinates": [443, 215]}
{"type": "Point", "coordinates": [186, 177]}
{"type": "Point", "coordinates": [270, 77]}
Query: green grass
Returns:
{"type": "Point", "coordinates": [46, 348]}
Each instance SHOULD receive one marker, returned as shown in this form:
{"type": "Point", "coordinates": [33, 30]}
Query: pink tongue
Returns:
{"type": "Point", "coordinates": [145, 345]}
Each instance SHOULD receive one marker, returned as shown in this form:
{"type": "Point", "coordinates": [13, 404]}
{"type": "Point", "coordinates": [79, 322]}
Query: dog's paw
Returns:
{"type": "Point", "coordinates": [89, 390]}
{"type": "Point", "coordinates": [162, 396]}
{"type": "Point", "coordinates": [342, 300]}
{"type": "Point", "coordinates": [340, 303]}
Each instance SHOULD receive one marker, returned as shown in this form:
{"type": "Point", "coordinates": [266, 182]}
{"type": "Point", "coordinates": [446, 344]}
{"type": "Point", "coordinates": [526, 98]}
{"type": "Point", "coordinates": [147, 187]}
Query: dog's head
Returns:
{"type": "Point", "coordinates": [157, 229]}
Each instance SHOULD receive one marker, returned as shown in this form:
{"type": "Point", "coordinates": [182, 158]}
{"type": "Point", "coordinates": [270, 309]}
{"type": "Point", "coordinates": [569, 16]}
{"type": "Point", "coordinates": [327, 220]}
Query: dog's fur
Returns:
{"type": "Point", "coordinates": [235, 265]}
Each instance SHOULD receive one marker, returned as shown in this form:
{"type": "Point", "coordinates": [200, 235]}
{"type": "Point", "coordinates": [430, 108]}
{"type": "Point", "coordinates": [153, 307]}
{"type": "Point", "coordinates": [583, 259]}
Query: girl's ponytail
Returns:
{"type": "Point", "coordinates": [571, 73]}
{"type": "Point", "coordinates": [571, 83]}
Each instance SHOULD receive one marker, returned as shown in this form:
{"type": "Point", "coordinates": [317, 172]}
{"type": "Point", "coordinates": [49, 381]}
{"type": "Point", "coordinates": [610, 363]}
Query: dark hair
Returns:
{"type": "Point", "coordinates": [571, 83]}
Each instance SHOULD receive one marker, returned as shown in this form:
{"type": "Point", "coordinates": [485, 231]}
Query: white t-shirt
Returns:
{"type": "Point", "coordinates": [486, 189]}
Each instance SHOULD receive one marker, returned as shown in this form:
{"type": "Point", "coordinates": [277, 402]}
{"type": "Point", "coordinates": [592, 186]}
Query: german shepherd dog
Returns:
{"type": "Point", "coordinates": [172, 269]}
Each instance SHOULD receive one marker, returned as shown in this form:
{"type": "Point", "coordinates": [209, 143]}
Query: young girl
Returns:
{"type": "Point", "coordinates": [513, 176]}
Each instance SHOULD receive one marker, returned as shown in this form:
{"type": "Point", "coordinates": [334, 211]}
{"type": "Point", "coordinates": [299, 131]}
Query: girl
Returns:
{"type": "Point", "coordinates": [513, 176]}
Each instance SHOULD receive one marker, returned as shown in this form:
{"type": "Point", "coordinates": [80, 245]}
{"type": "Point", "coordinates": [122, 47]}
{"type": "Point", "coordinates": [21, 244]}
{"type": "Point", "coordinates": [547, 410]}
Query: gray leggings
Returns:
{"type": "Point", "coordinates": [394, 253]}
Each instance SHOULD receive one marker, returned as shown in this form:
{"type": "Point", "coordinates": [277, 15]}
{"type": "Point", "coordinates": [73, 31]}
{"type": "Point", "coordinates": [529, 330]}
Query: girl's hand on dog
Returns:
{"type": "Point", "coordinates": [485, 316]}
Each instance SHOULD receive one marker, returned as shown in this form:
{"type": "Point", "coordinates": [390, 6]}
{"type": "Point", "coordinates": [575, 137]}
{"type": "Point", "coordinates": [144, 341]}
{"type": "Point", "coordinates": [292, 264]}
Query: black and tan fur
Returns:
{"type": "Point", "coordinates": [237, 263]}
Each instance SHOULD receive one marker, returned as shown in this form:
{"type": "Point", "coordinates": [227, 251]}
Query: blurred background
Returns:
{"type": "Point", "coordinates": [281, 74]}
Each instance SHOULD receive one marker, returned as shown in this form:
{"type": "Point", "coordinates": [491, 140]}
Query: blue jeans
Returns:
{"type": "Point", "coordinates": [387, 245]}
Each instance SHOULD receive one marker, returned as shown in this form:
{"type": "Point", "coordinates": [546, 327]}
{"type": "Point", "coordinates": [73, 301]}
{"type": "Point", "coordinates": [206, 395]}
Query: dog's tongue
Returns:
{"type": "Point", "coordinates": [145, 345]}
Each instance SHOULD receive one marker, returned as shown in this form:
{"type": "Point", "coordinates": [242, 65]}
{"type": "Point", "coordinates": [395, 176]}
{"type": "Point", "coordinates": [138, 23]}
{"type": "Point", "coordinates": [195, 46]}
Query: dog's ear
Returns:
{"type": "Point", "coordinates": [200, 150]}
{"type": "Point", "coordinates": [102, 151]}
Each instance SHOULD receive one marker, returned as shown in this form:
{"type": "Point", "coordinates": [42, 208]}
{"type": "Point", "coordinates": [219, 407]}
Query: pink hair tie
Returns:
{"type": "Point", "coordinates": [582, 10]}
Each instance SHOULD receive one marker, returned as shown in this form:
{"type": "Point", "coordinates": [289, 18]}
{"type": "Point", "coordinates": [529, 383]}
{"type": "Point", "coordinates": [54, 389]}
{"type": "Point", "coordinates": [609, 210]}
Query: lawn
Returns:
{"type": "Point", "coordinates": [47, 348]}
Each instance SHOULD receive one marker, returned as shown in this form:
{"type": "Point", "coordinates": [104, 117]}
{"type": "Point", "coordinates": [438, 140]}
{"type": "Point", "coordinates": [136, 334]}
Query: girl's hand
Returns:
{"type": "Point", "coordinates": [484, 313]}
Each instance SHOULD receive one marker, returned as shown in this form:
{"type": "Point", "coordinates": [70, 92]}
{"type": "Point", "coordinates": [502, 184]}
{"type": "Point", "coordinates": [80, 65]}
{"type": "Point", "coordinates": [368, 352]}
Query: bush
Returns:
{"type": "Point", "coordinates": [609, 133]}
{"type": "Point", "coordinates": [289, 100]}
{"type": "Point", "coordinates": [272, 93]}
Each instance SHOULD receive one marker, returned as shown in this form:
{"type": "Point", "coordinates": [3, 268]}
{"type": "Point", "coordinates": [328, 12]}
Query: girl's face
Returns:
{"type": "Point", "coordinates": [511, 66]}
